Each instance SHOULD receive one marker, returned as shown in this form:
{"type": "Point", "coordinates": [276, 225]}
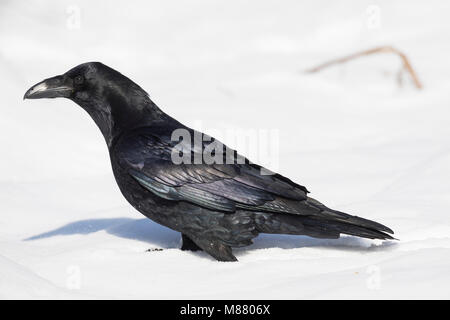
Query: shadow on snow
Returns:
{"type": "Point", "coordinates": [148, 231]}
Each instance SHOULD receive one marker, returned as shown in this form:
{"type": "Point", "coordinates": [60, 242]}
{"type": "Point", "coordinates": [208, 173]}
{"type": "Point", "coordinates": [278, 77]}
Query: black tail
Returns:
{"type": "Point", "coordinates": [323, 223]}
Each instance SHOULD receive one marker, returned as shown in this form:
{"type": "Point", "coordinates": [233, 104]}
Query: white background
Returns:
{"type": "Point", "coordinates": [351, 134]}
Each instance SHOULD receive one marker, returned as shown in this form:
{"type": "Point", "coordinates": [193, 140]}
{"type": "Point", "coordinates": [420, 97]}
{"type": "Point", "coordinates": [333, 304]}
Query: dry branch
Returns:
{"type": "Point", "coordinates": [385, 49]}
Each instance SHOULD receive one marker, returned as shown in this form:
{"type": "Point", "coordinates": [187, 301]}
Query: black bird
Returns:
{"type": "Point", "coordinates": [216, 205]}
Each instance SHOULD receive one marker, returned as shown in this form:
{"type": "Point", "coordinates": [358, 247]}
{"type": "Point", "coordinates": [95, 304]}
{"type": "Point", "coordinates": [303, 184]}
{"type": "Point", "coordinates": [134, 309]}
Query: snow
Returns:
{"type": "Point", "coordinates": [357, 140]}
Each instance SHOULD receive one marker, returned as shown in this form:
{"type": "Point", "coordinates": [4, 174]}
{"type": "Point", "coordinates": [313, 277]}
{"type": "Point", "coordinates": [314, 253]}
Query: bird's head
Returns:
{"type": "Point", "coordinates": [111, 99]}
{"type": "Point", "coordinates": [81, 83]}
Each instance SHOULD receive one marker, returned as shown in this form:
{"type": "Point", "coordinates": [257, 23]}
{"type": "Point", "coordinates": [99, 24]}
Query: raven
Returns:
{"type": "Point", "coordinates": [215, 205]}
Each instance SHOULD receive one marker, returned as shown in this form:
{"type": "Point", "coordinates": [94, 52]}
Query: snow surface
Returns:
{"type": "Point", "coordinates": [357, 140]}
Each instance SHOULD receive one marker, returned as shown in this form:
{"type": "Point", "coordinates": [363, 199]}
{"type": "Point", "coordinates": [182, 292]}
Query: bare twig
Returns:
{"type": "Point", "coordinates": [385, 49]}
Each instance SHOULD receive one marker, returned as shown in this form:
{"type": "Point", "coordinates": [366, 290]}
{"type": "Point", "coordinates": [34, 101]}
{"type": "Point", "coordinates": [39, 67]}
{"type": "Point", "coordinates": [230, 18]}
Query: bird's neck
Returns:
{"type": "Point", "coordinates": [119, 114]}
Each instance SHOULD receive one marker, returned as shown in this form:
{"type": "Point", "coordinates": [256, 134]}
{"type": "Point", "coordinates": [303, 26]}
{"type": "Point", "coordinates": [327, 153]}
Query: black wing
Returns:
{"type": "Point", "coordinates": [147, 156]}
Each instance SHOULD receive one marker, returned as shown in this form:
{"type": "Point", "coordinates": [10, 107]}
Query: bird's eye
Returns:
{"type": "Point", "coordinates": [78, 80]}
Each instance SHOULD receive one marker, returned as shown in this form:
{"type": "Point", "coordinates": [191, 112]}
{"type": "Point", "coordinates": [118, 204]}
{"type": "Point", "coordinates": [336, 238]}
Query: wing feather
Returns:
{"type": "Point", "coordinates": [216, 186]}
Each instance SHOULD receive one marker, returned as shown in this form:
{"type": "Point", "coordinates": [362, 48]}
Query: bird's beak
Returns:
{"type": "Point", "coordinates": [59, 86]}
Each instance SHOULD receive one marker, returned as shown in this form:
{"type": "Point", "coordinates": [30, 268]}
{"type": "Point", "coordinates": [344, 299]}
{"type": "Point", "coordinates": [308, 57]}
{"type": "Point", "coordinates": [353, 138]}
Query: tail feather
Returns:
{"type": "Point", "coordinates": [323, 222]}
{"type": "Point", "coordinates": [346, 228]}
{"type": "Point", "coordinates": [334, 215]}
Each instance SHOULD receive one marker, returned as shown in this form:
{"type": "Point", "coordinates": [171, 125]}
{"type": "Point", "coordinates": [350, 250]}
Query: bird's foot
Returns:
{"type": "Point", "coordinates": [154, 249]}
{"type": "Point", "coordinates": [216, 249]}
{"type": "Point", "coordinates": [189, 247]}
{"type": "Point", "coordinates": [188, 244]}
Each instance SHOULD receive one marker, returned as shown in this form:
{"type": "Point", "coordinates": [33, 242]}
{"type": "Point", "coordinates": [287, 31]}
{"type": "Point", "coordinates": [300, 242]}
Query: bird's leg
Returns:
{"type": "Point", "coordinates": [188, 244]}
{"type": "Point", "coordinates": [216, 249]}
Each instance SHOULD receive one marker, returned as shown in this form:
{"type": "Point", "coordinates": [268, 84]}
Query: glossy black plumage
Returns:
{"type": "Point", "coordinates": [215, 206]}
